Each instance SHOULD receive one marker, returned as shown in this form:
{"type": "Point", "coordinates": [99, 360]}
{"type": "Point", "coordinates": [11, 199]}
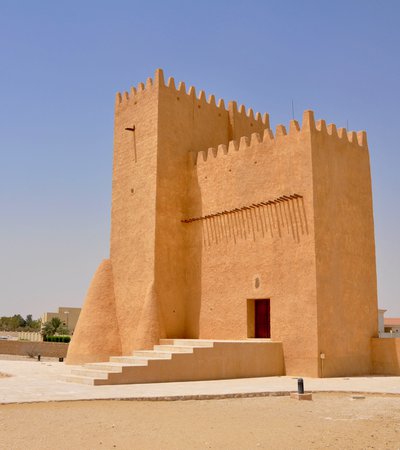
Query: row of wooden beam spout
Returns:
{"type": "Point", "coordinates": [283, 198]}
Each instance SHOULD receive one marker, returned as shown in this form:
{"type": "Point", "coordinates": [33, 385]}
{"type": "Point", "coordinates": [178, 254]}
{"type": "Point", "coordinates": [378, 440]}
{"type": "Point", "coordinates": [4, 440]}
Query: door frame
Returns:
{"type": "Point", "coordinates": [251, 317]}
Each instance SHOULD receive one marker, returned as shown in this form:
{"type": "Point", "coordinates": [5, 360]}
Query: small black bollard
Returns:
{"type": "Point", "coordinates": [38, 357]}
{"type": "Point", "coordinates": [300, 386]}
{"type": "Point", "coordinates": [60, 359]}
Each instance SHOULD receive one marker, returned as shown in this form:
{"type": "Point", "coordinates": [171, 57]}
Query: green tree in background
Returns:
{"type": "Point", "coordinates": [18, 323]}
{"type": "Point", "coordinates": [53, 327]}
{"type": "Point", "coordinates": [13, 323]}
{"type": "Point", "coordinates": [33, 325]}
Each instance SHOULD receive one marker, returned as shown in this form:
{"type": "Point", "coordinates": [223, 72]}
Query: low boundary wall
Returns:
{"type": "Point", "coordinates": [386, 356]}
{"type": "Point", "coordinates": [23, 335]}
{"type": "Point", "coordinates": [29, 348]}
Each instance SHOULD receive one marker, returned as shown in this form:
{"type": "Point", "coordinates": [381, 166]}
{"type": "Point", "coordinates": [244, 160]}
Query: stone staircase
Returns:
{"type": "Point", "coordinates": [186, 360]}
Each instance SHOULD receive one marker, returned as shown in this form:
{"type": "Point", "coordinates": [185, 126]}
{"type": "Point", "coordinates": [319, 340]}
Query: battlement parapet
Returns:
{"type": "Point", "coordinates": [121, 99]}
{"type": "Point", "coordinates": [309, 125]}
{"type": "Point", "coordinates": [158, 81]}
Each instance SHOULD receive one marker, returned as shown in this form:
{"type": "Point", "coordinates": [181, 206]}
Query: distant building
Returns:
{"type": "Point", "coordinates": [69, 316]}
{"type": "Point", "coordinates": [389, 327]}
{"type": "Point", "coordinates": [381, 320]}
{"type": "Point", "coordinates": [392, 324]}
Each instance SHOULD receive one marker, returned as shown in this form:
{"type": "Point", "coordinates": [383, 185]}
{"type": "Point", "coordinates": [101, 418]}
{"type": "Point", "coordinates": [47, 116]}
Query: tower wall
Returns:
{"type": "Point", "coordinates": [186, 121]}
{"type": "Point", "coordinates": [265, 251]}
{"type": "Point", "coordinates": [133, 214]}
{"type": "Point", "coordinates": [345, 250]}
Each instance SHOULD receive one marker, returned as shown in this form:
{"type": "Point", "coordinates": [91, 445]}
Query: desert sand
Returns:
{"type": "Point", "coordinates": [329, 421]}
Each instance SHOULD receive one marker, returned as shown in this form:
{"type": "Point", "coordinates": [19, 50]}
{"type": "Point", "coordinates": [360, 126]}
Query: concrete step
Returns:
{"type": "Point", "coordinates": [107, 366]}
{"type": "Point", "coordinates": [151, 354]}
{"type": "Point", "coordinates": [176, 360]}
{"type": "Point", "coordinates": [187, 342]}
{"type": "Point", "coordinates": [129, 360]}
{"type": "Point", "coordinates": [103, 375]}
{"type": "Point", "coordinates": [167, 341]}
{"type": "Point", "coordinates": [173, 348]}
{"type": "Point", "coordinates": [78, 379]}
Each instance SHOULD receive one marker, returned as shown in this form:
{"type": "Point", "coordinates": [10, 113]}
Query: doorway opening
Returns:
{"type": "Point", "coordinates": [259, 318]}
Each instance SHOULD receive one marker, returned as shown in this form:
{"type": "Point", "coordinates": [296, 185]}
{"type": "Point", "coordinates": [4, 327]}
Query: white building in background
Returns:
{"type": "Point", "coordinates": [392, 324]}
{"type": "Point", "coordinates": [388, 326]}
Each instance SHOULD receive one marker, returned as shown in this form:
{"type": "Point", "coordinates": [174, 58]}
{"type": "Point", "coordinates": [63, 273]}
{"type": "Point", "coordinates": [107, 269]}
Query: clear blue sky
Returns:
{"type": "Point", "coordinates": [61, 63]}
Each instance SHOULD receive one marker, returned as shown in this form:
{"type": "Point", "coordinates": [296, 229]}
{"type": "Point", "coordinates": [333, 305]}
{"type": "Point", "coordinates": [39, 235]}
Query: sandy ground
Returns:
{"type": "Point", "coordinates": [329, 421]}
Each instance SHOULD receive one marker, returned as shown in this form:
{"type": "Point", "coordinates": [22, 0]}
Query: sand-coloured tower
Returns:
{"type": "Point", "coordinates": [217, 220]}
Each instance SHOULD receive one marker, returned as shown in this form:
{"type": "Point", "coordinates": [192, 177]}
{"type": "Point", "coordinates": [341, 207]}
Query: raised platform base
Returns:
{"type": "Point", "coordinates": [187, 360]}
{"type": "Point", "coordinates": [297, 396]}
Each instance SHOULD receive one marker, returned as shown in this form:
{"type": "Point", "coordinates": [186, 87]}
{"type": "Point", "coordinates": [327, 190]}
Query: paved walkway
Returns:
{"type": "Point", "coordinates": [33, 381]}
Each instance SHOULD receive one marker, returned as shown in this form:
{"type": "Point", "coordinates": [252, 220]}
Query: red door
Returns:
{"type": "Point", "coordinates": [262, 318]}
